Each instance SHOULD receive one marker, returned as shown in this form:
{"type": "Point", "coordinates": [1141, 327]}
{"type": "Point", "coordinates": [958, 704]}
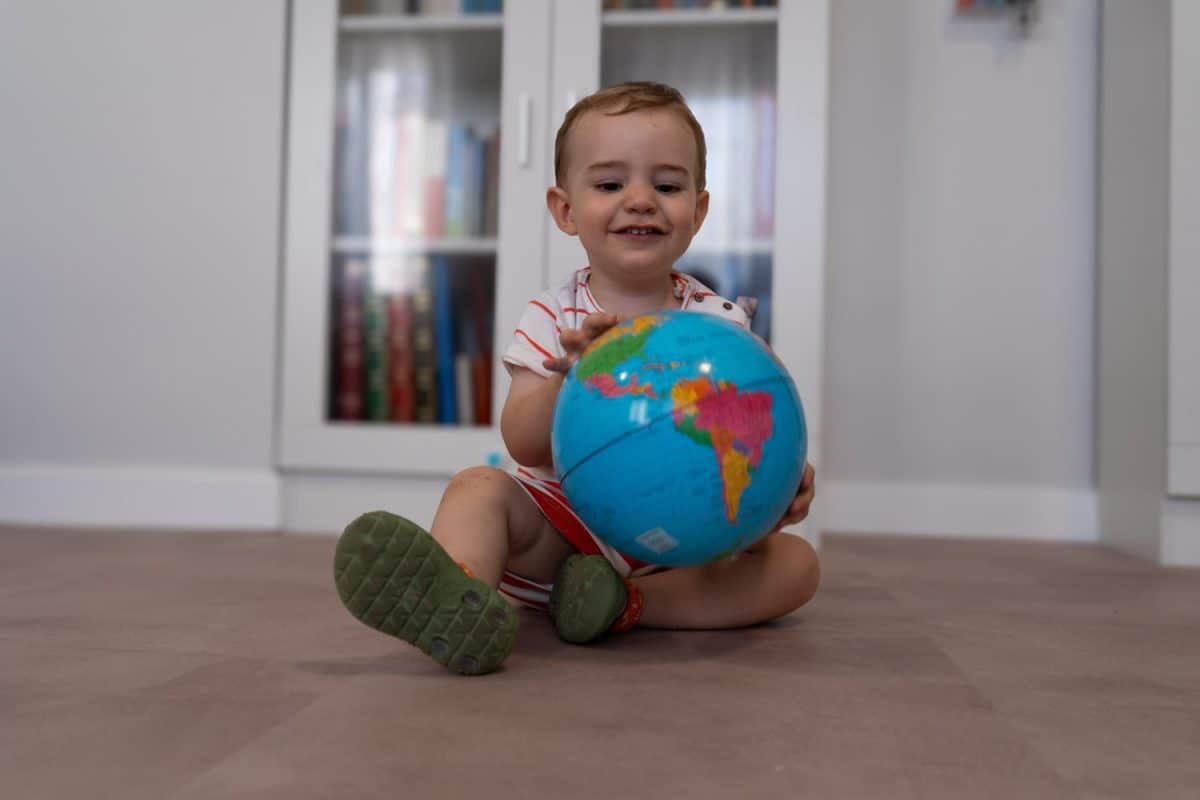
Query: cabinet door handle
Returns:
{"type": "Point", "coordinates": [524, 128]}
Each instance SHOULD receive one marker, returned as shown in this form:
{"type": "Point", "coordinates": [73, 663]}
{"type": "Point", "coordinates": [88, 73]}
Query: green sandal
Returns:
{"type": "Point", "coordinates": [587, 597]}
{"type": "Point", "coordinates": [393, 576]}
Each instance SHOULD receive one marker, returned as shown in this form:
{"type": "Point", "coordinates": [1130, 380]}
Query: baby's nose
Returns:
{"type": "Point", "coordinates": [639, 199]}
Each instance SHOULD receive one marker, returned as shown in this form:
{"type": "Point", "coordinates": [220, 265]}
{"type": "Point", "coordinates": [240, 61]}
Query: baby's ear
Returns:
{"type": "Point", "coordinates": [560, 208]}
{"type": "Point", "coordinates": [701, 209]}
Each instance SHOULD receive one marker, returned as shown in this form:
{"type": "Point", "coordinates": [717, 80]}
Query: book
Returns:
{"type": "Point", "coordinates": [764, 163]}
{"type": "Point", "coordinates": [444, 344]}
{"type": "Point", "coordinates": [400, 357]}
{"type": "Point", "coordinates": [415, 142]}
{"type": "Point", "coordinates": [480, 305]}
{"type": "Point", "coordinates": [350, 153]}
{"type": "Point", "coordinates": [382, 85]}
{"type": "Point", "coordinates": [457, 154]}
{"type": "Point", "coordinates": [491, 187]}
{"type": "Point", "coordinates": [434, 189]}
{"type": "Point", "coordinates": [375, 356]}
{"type": "Point", "coordinates": [348, 380]}
{"type": "Point", "coordinates": [476, 184]}
{"type": "Point", "coordinates": [464, 388]}
{"type": "Point", "coordinates": [481, 377]}
{"type": "Point", "coordinates": [425, 389]}
{"type": "Point", "coordinates": [743, 136]}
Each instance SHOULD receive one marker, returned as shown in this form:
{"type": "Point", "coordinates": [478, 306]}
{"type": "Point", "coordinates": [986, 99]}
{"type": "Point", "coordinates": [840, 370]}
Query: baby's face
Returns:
{"type": "Point", "coordinates": [630, 192]}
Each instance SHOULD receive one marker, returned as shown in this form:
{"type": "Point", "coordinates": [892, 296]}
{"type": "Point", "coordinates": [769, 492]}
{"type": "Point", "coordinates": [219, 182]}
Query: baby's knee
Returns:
{"type": "Point", "coordinates": [479, 480]}
{"type": "Point", "coordinates": [803, 566]}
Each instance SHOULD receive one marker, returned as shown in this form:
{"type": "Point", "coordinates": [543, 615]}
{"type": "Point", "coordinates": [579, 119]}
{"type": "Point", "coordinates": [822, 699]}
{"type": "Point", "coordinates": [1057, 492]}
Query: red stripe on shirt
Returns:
{"type": "Point", "coordinates": [543, 307]}
{"type": "Point", "coordinates": [536, 346]}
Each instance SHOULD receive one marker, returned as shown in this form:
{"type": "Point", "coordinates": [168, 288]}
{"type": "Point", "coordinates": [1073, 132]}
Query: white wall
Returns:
{"type": "Point", "coordinates": [961, 260]}
{"type": "Point", "coordinates": [139, 208]}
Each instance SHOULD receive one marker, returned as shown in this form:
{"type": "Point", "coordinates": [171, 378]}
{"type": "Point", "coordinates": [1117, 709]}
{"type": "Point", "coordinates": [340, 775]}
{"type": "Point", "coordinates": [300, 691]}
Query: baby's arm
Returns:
{"type": "Point", "coordinates": [527, 416]}
{"type": "Point", "coordinates": [528, 411]}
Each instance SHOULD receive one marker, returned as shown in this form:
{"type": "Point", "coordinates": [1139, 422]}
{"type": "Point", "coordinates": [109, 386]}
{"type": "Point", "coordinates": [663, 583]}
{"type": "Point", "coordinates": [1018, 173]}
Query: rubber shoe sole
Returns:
{"type": "Point", "coordinates": [394, 577]}
{"type": "Point", "coordinates": [587, 597]}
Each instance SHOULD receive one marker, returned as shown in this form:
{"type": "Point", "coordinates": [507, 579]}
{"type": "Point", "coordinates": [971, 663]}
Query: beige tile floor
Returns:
{"type": "Point", "coordinates": [167, 665]}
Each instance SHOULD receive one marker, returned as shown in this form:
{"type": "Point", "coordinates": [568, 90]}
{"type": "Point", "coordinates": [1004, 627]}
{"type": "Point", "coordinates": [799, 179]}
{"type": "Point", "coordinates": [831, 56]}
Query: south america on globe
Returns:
{"type": "Point", "coordinates": [679, 438]}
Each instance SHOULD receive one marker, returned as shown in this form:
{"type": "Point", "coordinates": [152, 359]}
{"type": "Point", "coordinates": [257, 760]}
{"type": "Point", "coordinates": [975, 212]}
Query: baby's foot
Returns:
{"type": "Point", "coordinates": [587, 598]}
{"type": "Point", "coordinates": [394, 577]}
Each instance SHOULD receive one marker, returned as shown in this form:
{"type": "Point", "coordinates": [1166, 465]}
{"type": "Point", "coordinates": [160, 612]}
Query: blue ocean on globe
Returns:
{"type": "Point", "coordinates": [679, 438]}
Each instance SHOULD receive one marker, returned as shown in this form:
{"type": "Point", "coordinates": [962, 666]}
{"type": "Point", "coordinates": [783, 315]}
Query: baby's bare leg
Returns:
{"type": "Point", "coordinates": [487, 521]}
{"type": "Point", "coordinates": [775, 576]}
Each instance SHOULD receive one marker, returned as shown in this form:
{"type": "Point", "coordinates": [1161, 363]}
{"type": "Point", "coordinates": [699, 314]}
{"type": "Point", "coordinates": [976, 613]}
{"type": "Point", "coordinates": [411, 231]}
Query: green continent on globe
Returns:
{"type": "Point", "coordinates": [734, 424]}
{"type": "Point", "coordinates": [614, 346]}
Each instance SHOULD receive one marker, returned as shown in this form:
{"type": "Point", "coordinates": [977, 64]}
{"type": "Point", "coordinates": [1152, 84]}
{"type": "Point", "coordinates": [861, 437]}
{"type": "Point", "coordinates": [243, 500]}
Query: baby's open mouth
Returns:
{"type": "Point", "coordinates": [640, 230]}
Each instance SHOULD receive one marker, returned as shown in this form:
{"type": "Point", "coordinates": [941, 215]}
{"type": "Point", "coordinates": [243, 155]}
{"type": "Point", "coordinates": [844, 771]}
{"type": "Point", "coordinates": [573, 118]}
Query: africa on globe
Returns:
{"type": "Point", "coordinates": [679, 438]}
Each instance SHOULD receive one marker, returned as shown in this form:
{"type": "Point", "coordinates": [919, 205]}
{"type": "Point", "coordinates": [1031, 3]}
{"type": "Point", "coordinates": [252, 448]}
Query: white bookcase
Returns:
{"type": "Point", "coordinates": [518, 71]}
{"type": "Point", "coordinates": [1148, 432]}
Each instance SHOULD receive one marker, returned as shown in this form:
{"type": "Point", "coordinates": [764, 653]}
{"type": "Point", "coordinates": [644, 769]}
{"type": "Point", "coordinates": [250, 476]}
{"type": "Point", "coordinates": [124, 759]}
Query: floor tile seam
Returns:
{"type": "Point", "coordinates": [168, 651]}
{"type": "Point", "coordinates": [1008, 718]}
{"type": "Point", "coordinates": [177, 788]}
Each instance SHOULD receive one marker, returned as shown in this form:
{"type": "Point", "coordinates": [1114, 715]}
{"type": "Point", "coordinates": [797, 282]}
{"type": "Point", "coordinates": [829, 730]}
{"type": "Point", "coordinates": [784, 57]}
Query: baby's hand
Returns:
{"type": "Point", "coordinates": [576, 340]}
{"type": "Point", "coordinates": [798, 510]}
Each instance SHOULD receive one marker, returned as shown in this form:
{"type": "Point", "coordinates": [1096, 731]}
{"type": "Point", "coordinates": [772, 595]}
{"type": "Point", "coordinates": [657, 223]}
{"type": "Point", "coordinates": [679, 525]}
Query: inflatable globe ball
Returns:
{"type": "Point", "coordinates": [679, 438]}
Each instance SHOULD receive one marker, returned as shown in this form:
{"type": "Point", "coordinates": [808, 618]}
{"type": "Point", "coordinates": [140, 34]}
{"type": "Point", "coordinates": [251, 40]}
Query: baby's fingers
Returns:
{"type": "Point", "coordinates": [574, 340]}
{"type": "Point", "coordinates": [596, 324]}
{"type": "Point", "coordinates": [562, 365]}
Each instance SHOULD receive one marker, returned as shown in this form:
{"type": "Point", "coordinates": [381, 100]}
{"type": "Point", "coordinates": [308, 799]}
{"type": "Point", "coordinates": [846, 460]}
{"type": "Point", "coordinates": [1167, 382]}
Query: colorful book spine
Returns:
{"type": "Point", "coordinates": [481, 376]}
{"type": "Point", "coordinates": [443, 322]}
{"type": "Point", "coordinates": [434, 190]}
{"type": "Point", "coordinates": [415, 143]}
{"type": "Point", "coordinates": [400, 357]}
{"type": "Point", "coordinates": [481, 309]}
{"type": "Point", "coordinates": [764, 164]}
{"type": "Point", "coordinates": [351, 148]}
{"type": "Point", "coordinates": [476, 185]}
{"type": "Point", "coordinates": [464, 388]}
{"type": "Point", "coordinates": [424, 346]}
{"type": "Point", "coordinates": [348, 376]}
{"type": "Point", "coordinates": [491, 187]}
{"type": "Point", "coordinates": [375, 349]}
{"type": "Point", "coordinates": [381, 167]}
{"type": "Point", "coordinates": [456, 180]}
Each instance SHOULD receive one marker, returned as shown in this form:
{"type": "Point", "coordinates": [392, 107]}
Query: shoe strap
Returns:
{"type": "Point", "coordinates": [633, 608]}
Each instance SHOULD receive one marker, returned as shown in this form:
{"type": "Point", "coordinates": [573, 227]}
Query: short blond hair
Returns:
{"type": "Point", "coordinates": [625, 98]}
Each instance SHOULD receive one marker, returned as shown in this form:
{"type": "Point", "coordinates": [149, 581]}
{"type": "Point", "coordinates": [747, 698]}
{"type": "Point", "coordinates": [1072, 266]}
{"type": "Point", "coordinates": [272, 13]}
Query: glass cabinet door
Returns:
{"type": "Point", "coordinates": [722, 56]}
{"type": "Point", "coordinates": [414, 212]}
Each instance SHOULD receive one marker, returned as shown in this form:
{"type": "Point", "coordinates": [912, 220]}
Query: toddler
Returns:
{"type": "Point", "coordinates": [629, 182]}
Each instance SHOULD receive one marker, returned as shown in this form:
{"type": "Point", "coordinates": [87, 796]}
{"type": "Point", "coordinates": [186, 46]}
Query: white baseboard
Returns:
{"type": "Point", "coordinates": [249, 499]}
{"type": "Point", "coordinates": [959, 511]}
{"type": "Point", "coordinates": [1183, 470]}
{"type": "Point", "coordinates": [325, 503]}
{"type": "Point", "coordinates": [1180, 545]}
{"type": "Point", "coordinates": [241, 499]}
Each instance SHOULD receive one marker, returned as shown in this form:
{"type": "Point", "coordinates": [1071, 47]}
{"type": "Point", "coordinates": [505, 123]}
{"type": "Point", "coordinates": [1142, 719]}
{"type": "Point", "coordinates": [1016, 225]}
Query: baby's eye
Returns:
{"type": "Point", "coordinates": [667, 188]}
{"type": "Point", "coordinates": [608, 186]}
